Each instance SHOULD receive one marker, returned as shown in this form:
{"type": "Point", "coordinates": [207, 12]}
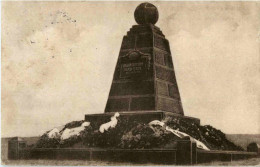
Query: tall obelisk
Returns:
{"type": "Point", "coordinates": [144, 78]}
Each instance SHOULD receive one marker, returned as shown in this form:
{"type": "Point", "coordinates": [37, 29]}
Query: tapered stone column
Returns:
{"type": "Point", "coordinates": [144, 78]}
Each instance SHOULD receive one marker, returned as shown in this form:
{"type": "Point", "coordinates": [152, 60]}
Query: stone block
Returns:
{"type": "Point", "coordinates": [132, 88]}
{"type": "Point", "coordinates": [165, 104]}
{"type": "Point", "coordinates": [157, 31]}
{"type": "Point", "coordinates": [15, 144]}
{"type": "Point", "coordinates": [144, 40]}
{"type": "Point", "coordinates": [138, 29]}
{"type": "Point", "coordinates": [186, 152]}
{"type": "Point", "coordinates": [165, 74]}
{"type": "Point", "coordinates": [194, 152]}
{"type": "Point", "coordinates": [142, 103]}
{"type": "Point", "coordinates": [114, 105]}
{"type": "Point", "coordinates": [159, 57]}
{"type": "Point", "coordinates": [174, 91]}
{"type": "Point", "coordinates": [161, 43]}
{"type": "Point", "coordinates": [128, 42]}
{"type": "Point", "coordinates": [131, 116]}
{"type": "Point", "coordinates": [168, 60]}
{"type": "Point", "coordinates": [162, 88]}
{"type": "Point", "coordinates": [189, 119]}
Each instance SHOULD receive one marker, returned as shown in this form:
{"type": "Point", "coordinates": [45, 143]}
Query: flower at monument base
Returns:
{"type": "Point", "coordinates": [67, 133]}
{"type": "Point", "coordinates": [214, 139]}
{"type": "Point", "coordinates": [140, 136]}
{"type": "Point", "coordinates": [46, 142]}
{"type": "Point", "coordinates": [63, 136]}
{"type": "Point", "coordinates": [132, 134]}
{"type": "Point", "coordinates": [156, 122]}
{"type": "Point", "coordinates": [178, 133]}
{"type": "Point", "coordinates": [111, 124]}
{"type": "Point", "coordinates": [77, 139]}
{"type": "Point", "coordinates": [55, 132]}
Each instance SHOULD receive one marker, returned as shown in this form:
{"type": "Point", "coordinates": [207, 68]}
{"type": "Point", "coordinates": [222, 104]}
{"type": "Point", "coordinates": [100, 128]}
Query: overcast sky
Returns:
{"type": "Point", "coordinates": [58, 59]}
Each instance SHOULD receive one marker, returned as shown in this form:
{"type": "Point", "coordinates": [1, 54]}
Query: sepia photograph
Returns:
{"type": "Point", "coordinates": [130, 83]}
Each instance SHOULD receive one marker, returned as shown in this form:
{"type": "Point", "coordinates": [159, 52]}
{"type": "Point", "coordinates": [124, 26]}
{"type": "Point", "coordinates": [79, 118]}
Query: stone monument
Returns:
{"type": "Point", "coordinates": [144, 81]}
{"type": "Point", "coordinates": [148, 122]}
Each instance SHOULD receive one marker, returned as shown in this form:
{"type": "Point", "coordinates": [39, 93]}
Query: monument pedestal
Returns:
{"type": "Point", "coordinates": [139, 116]}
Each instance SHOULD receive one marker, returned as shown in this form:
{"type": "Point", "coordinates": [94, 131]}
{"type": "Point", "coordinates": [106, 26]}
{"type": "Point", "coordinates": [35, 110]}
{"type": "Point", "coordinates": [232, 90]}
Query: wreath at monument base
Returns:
{"type": "Point", "coordinates": [121, 133]}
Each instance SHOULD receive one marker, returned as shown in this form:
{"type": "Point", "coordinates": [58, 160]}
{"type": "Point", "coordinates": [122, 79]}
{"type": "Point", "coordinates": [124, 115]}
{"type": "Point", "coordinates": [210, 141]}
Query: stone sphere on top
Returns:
{"type": "Point", "coordinates": [146, 13]}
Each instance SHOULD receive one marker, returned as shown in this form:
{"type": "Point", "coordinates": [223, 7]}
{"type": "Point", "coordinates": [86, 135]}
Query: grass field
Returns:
{"type": "Point", "coordinates": [242, 140]}
{"type": "Point", "coordinates": [69, 163]}
{"type": "Point", "coordinates": [249, 162]}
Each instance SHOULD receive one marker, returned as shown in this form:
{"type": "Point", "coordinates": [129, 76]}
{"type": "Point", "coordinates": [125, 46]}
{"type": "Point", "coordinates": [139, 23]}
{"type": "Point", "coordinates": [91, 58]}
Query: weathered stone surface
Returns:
{"type": "Point", "coordinates": [141, 117]}
{"type": "Point", "coordinates": [161, 43]}
{"type": "Point", "coordinates": [157, 31]}
{"type": "Point", "coordinates": [132, 88]}
{"type": "Point", "coordinates": [166, 104]}
{"type": "Point", "coordinates": [185, 152]}
{"type": "Point", "coordinates": [174, 92]}
{"type": "Point", "coordinates": [121, 104]}
{"type": "Point", "coordinates": [142, 103]}
{"type": "Point", "coordinates": [168, 60]}
{"type": "Point", "coordinates": [144, 40]}
{"type": "Point", "coordinates": [14, 145]}
{"type": "Point", "coordinates": [128, 42]}
{"type": "Point", "coordinates": [159, 57]}
{"type": "Point", "coordinates": [162, 88]}
{"type": "Point", "coordinates": [165, 74]}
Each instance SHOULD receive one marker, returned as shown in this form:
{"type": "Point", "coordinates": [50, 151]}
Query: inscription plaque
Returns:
{"type": "Point", "coordinates": [134, 65]}
{"type": "Point", "coordinates": [129, 69]}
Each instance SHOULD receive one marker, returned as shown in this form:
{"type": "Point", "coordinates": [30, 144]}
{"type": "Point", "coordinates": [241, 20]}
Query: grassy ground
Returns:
{"type": "Point", "coordinates": [68, 163]}
{"type": "Point", "coordinates": [248, 162]}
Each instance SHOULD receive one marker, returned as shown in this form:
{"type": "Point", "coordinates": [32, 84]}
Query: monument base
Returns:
{"type": "Point", "coordinates": [139, 116]}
